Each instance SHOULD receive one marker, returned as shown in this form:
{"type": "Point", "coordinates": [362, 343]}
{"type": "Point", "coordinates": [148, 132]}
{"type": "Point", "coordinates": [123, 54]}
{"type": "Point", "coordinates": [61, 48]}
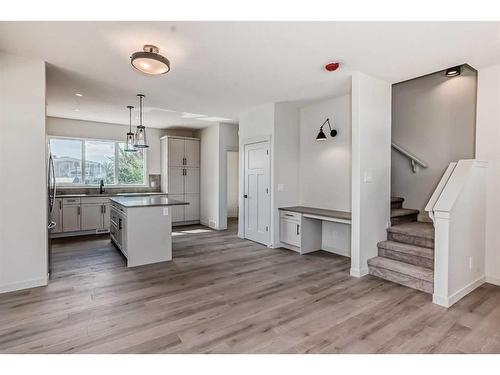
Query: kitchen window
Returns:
{"type": "Point", "coordinates": [81, 162]}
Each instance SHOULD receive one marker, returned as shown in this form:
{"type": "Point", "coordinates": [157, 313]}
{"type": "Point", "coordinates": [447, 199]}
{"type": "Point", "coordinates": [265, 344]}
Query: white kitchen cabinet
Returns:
{"type": "Point", "coordinates": [56, 215]}
{"type": "Point", "coordinates": [191, 180]}
{"type": "Point", "coordinates": [176, 180]}
{"type": "Point", "coordinates": [192, 153]}
{"type": "Point", "coordinates": [71, 217]}
{"type": "Point", "coordinates": [290, 232]}
{"type": "Point", "coordinates": [177, 212]}
{"type": "Point", "coordinates": [192, 210]}
{"type": "Point", "coordinates": [176, 152]}
{"type": "Point", "coordinates": [91, 216]}
{"type": "Point", "coordinates": [106, 215]}
{"type": "Point", "coordinates": [180, 176]}
{"type": "Point", "coordinates": [95, 214]}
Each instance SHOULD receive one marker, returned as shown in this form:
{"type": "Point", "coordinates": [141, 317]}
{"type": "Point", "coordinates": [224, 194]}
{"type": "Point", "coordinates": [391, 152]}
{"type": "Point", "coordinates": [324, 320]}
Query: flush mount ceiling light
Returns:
{"type": "Point", "coordinates": [453, 72]}
{"type": "Point", "coordinates": [149, 61]}
{"type": "Point", "coordinates": [321, 135]}
{"type": "Point", "coordinates": [140, 133]}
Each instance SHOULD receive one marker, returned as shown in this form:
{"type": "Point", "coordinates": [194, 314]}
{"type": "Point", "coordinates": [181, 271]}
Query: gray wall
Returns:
{"type": "Point", "coordinates": [434, 118]}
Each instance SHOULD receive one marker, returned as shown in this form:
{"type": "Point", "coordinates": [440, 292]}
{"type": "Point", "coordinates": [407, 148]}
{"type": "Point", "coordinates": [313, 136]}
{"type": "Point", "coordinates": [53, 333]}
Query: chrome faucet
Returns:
{"type": "Point", "coordinates": [101, 187]}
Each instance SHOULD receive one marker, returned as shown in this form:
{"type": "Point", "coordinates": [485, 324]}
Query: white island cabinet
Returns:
{"type": "Point", "coordinates": [141, 227]}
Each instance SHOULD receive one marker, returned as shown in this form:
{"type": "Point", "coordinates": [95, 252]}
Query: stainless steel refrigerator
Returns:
{"type": "Point", "coordinates": [51, 197]}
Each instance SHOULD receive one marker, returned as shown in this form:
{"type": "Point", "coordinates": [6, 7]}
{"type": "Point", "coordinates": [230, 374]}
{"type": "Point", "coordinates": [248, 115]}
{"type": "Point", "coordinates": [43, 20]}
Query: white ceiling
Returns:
{"type": "Point", "coordinates": [220, 69]}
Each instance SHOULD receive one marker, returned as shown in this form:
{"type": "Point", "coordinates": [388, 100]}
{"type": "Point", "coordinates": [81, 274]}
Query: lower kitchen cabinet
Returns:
{"type": "Point", "coordinates": [178, 212]}
{"type": "Point", "coordinates": [91, 216]}
{"type": "Point", "coordinates": [76, 216]}
{"type": "Point", "coordinates": [192, 210]}
{"type": "Point", "coordinates": [71, 217]}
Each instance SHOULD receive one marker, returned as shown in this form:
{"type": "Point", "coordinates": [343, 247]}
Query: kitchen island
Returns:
{"type": "Point", "coordinates": [141, 227]}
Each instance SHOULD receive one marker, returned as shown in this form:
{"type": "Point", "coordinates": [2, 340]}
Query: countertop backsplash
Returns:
{"type": "Point", "coordinates": [154, 187]}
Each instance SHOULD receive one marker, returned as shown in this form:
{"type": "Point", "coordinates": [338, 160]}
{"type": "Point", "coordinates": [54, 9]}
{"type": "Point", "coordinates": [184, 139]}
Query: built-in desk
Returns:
{"type": "Point", "coordinates": [301, 227]}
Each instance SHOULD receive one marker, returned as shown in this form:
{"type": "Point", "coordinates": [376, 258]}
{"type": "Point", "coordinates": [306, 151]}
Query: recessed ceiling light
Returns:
{"type": "Point", "coordinates": [453, 72]}
{"type": "Point", "coordinates": [149, 61]}
{"type": "Point", "coordinates": [78, 94]}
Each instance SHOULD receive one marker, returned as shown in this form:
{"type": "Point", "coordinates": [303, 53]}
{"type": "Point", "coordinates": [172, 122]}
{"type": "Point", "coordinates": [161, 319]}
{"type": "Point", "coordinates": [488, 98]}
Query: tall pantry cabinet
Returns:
{"type": "Point", "coordinates": [180, 176]}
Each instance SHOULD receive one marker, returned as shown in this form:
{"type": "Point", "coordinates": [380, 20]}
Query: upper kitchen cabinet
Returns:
{"type": "Point", "coordinates": [192, 153]}
{"type": "Point", "coordinates": [183, 152]}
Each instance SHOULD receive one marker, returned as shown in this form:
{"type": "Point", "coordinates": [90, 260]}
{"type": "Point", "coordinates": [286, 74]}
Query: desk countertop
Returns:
{"type": "Point", "coordinates": [344, 215]}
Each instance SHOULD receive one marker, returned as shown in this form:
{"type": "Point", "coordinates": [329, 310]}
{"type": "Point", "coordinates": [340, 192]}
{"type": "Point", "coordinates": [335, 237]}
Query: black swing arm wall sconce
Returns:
{"type": "Point", "coordinates": [321, 135]}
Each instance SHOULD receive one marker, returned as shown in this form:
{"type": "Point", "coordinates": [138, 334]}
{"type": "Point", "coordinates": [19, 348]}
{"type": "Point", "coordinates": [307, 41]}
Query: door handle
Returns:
{"type": "Point", "coordinates": [120, 224]}
{"type": "Point", "coordinates": [298, 229]}
{"type": "Point", "coordinates": [104, 207]}
{"type": "Point", "coordinates": [78, 210]}
{"type": "Point", "coordinates": [245, 196]}
{"type": "Point", "coordinates": [52, 225]}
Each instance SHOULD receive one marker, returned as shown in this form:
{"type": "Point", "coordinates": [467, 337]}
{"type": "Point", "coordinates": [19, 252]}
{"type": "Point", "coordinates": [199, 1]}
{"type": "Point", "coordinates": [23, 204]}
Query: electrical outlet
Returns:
{"type": "Point", "coordinates": [281, 187]}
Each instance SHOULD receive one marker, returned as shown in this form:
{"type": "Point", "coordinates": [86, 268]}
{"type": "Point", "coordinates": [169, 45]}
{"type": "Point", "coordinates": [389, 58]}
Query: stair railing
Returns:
{"type": "Point", "coordinates": [414, 160]}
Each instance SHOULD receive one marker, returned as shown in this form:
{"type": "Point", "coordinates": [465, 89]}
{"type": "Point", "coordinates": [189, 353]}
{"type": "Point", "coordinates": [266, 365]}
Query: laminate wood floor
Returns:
{"type": "Point", "coordinates": [222, 294]}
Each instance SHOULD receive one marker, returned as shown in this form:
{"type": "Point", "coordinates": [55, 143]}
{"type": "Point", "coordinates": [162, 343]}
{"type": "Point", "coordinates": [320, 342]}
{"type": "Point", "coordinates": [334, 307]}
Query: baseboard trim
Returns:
{"type": "Point", "coordinates": [359, 272]}
{"type": "Point", "coordinates": [6, 288]}
{"type": "Point", "coordinates": [457, 296]}
{"type": "Point", "coordinates": [492, 280]}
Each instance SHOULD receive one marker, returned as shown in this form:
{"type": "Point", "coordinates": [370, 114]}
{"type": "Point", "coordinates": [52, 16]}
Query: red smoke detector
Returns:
{"type": "Point", "coordinates": [331, 67]}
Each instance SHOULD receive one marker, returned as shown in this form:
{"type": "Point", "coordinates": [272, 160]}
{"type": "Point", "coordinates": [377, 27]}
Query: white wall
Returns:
{"type": "Point", "coordinates": [23, 174]}
{"type": "Point", "coordinates": [98, 130]}
{"type": "Point", "coordinates": [209, 173]}
{"type": "Point", "coordinates": [284, 163]}
{"type": "Point", "coordinates": [256, 123]}
{"type": "Point", "coordinates": [228, 141]}
{"type": "Point", "coordinates": [216, 140]}
{"type": "Point", "coordinates": [488, 149]}
{"type": "Point", "coordinates": [325, 167]}
{"type": "Point", "coordinates": [434, 118]}
{"type": "Point", "coordinates": [371, 164]}
{"type": "Point", "coordinates": [232, 184]}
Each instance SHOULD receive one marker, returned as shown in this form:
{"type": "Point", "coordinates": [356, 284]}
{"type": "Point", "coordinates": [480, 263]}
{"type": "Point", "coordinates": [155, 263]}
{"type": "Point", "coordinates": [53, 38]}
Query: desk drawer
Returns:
{"type": "Point", "coordinates": [290, 215]}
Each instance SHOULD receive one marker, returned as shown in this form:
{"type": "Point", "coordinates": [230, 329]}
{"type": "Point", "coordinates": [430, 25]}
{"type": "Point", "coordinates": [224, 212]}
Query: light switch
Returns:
{"type": "Point", "coordinates": [165, 211]}
{"type": "Point", "coordinates": [281, 187]}
{"type": "Point", "coordinates": [368, 178]}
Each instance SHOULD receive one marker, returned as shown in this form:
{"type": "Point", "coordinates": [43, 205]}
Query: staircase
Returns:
{"type": "Point", "coordinates": [407, 257]}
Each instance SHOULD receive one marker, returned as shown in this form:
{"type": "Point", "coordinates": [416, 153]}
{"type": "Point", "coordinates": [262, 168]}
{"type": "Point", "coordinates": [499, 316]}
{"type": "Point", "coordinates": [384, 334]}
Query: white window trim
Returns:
{"type": "Point", "coordinates": [116, 142]}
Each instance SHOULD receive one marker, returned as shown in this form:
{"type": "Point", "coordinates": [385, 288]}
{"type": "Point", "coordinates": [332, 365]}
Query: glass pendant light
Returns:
{"type": "Point", "coordinates": [129, 146]}
{"type": "Point", "coordinates": [140, 133]}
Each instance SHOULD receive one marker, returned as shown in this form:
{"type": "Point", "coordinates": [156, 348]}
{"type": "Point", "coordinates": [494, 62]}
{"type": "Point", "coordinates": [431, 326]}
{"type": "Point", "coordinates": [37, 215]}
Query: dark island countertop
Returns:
{"type": "Point", "coordinates": [343, 215]}
{"type": "Point", "coordinates": [146, 201]}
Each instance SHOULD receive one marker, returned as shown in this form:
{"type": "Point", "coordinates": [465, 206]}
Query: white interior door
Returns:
{"type": "Point", "coordinates": [257, 202]}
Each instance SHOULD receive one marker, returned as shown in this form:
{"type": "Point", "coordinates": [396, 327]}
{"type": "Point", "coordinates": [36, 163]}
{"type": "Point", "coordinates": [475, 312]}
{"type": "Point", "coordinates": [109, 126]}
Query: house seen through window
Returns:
{"type": "Point", "coordinates": [87, 162]}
